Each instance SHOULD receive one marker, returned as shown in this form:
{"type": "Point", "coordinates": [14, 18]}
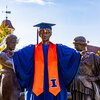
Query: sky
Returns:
{"type": "Point", "coordinates": [72, 18]}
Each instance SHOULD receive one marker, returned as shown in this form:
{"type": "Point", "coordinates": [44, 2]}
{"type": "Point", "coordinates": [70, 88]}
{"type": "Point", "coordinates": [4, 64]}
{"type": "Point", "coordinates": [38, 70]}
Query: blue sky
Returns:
{"type": "Point", "coordinates": [72, 18]}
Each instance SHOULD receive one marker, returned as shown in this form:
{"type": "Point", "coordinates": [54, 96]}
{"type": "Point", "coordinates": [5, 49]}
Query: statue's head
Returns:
{"type": "Point", "coordinates": [80, 43]}
{"type": "Point", "coordinates": [45, 31]}
{"type": "Point", "coordinates": [11, 41]}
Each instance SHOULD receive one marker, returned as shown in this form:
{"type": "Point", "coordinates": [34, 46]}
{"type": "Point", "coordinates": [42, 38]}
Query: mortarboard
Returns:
{"type": "Point", "coordinates": [44, 25]}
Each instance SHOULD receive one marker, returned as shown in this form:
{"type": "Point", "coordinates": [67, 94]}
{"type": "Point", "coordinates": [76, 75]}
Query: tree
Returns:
{"type": "Point", "coordinates": [98, 53]}
{"type": "Point", "coordinates": [4, 31]}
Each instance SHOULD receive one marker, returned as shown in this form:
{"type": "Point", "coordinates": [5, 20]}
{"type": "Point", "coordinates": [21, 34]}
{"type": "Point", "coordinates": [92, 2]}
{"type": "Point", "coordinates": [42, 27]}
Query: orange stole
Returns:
{"type": "Point", "coordinates": [53, 78]}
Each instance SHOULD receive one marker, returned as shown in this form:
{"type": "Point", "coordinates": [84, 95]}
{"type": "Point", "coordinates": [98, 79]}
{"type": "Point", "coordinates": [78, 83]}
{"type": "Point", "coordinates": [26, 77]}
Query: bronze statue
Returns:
{"type": "Point", "coordinates": [85, 86]}
{"type": "Point", "coordinates": [10, 88]}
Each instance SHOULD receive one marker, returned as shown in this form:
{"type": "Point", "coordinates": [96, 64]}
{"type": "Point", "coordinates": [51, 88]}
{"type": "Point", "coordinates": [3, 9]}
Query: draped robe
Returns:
{"type": "Point", "coordinates": [68, 64]}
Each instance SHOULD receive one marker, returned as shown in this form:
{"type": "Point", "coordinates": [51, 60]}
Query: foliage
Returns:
{"type": "Point", "coordinates": [2, 47]}
{"type": "Point", "coordinates": [4, 31]}
{"type": "Point", "coordinates": [98, 53]}
{"type": "Point", "coordinates": [0, 66]}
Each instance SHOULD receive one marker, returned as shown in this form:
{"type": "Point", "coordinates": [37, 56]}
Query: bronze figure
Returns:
{"type": "Point", "coordinates": [9, 87]}
{"type": "Point", "coordinates": [85, 86]}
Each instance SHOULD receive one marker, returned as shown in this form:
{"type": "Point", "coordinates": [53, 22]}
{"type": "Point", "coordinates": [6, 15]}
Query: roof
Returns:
{"type": "Point", "coordinates": [94, 49]}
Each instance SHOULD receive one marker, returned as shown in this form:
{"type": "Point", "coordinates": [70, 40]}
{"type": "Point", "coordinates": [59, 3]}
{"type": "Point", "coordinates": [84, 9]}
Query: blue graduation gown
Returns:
{"type": "Point", "coordinates": [68, 64]}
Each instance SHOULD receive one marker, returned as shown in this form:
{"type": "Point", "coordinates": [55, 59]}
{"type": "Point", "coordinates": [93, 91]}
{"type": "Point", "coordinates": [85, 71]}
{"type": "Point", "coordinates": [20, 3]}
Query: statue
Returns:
{"type": "Point", "coordinates": [84, 86]}
{"type": "Point", "coordinates": [46, 69]}
{"type": "Point", "coordinates": [10, 88]}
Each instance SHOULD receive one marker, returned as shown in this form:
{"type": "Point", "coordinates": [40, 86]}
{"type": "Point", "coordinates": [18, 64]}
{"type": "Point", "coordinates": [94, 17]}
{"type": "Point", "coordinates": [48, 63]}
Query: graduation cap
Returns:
{"type": "Point", "coordinates": [44, 25]}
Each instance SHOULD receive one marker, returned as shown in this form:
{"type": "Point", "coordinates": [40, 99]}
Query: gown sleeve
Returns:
{"type": "Point", "coordinates": [23, 64]}
{"type": "Point", "coordinates": [68, 60]}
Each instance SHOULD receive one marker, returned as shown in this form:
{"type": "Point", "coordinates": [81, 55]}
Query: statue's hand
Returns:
{"type": "Point", "coordinates": [5, 61]}
{"type": "Point", "coordinates": [83, 52]}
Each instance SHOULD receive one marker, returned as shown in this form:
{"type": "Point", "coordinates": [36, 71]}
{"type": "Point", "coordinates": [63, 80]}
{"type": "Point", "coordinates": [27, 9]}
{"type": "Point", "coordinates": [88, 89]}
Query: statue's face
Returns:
{"type": "Point", "coordinates": [45, 34]}
{"type": "Point", "coordinates": [11, 44]}
{"type": "Point", "coordinates": [79, 47]}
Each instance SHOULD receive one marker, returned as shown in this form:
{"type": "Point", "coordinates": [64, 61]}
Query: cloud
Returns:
{"type": "Point", "coordinates": [41, 2]}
